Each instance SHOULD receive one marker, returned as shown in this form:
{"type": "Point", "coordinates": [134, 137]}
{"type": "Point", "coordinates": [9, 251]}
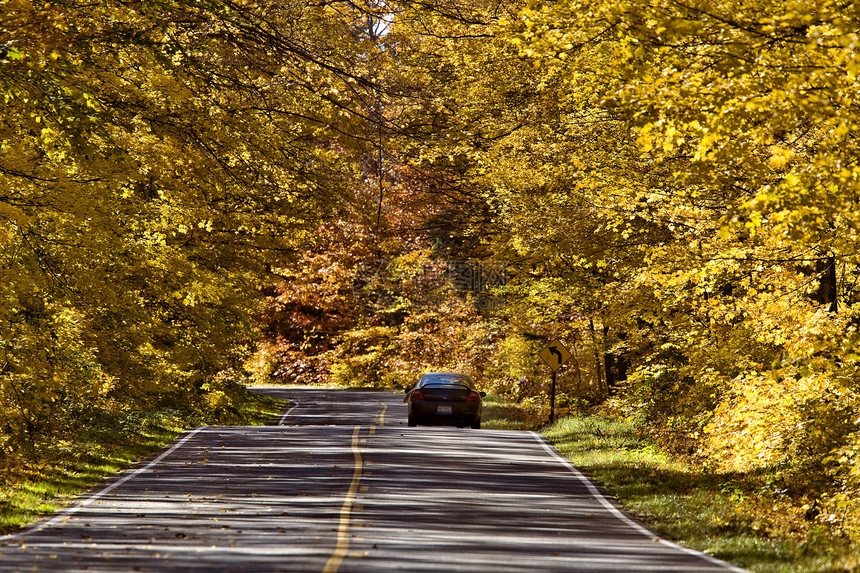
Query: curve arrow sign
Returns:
{"type": "Point", "coordinates": [555, 355]}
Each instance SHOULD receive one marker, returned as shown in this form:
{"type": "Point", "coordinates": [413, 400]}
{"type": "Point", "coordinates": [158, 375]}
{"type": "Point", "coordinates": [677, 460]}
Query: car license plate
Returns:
{"type": "Point", "coordinates": [444, 410]}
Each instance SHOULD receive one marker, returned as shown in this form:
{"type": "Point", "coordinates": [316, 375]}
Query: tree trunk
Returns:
{"type": "Point", "coordinates": [826, 294]}
{"type": "Point", "coordinates": [598, 364]}
{"type": "Point", "coordinates": [578, 370]}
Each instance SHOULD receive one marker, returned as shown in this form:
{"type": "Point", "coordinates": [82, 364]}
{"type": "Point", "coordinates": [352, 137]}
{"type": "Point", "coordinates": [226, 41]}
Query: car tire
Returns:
{"type": "Point", "coordinates": [476, 425]}
{"type": "Point", "coordinates": [411, 422]}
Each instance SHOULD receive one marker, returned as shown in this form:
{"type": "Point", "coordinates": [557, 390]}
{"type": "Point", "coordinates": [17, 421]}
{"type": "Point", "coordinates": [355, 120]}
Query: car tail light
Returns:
{"type": "Point", "coordinates": [473, 396]}
{"type": "Point", "coordinates": [417, 395]}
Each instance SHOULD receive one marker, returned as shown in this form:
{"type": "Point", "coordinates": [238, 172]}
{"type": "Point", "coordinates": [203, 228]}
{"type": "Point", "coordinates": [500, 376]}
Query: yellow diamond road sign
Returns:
{"type": "Point", "coordinates": [555, 354]}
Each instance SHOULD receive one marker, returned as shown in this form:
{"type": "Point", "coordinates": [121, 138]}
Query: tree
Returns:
{"type": "Point", "coordinates": [159, 159]}
{"type": "Point", "coordinates": [741, 177]}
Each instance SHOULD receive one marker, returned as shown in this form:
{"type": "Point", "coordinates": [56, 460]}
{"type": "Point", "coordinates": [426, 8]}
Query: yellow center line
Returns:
{"type": "Point", "coordinates": [335, 560]}
{"type": "Point", "coordinates": [382, 414]}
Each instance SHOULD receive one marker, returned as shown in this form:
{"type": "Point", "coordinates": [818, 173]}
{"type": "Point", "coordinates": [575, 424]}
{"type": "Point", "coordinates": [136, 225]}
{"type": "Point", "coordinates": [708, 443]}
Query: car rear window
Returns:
{"type": "Point", "coordinates": [445, 380]}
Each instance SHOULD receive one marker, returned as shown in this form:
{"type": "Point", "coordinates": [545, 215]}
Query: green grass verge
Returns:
{"type": "Point", "coordinates": [500, 415]}
{"type": "Point", "coordinates": [70, 467]}
{"type": "Point", "coordinates": [718, 514]}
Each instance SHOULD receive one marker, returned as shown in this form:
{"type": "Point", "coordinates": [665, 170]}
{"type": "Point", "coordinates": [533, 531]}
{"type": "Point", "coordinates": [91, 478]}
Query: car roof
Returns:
{"type": "Point", "coordinates": [444, 378]}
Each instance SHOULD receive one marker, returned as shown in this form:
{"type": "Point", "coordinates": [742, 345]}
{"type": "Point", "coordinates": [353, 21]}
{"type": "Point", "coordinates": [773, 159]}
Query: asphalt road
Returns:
{"type": "Point", "coordinates": [341, 484]}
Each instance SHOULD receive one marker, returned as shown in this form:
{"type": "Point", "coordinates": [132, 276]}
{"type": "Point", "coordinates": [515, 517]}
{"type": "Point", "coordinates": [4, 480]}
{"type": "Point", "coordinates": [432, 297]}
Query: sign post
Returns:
{"type": "Point", "coordinates": [555, 355]}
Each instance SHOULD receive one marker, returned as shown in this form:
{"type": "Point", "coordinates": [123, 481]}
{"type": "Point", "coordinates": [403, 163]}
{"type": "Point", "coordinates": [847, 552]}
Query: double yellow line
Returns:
{"type": "Point", "coordinates": [333, 563]}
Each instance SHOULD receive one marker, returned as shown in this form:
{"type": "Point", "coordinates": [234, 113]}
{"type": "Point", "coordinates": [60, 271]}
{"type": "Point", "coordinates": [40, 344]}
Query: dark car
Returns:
{"type": "Point", "coordinates": [444, 398]}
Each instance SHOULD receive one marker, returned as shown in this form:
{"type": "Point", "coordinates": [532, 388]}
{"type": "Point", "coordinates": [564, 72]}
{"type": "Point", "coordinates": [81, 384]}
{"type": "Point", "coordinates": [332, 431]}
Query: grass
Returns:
{"type": "Point", "coordinates": [73, 466]}
{"type": "Point", "coordinates": [718, 514]}
{"type": "Point", "coordinates": [500, 415]}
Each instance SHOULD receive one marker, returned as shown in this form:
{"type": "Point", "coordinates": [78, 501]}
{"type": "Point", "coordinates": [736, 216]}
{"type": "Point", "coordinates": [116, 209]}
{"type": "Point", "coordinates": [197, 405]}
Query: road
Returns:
{"type": "Point", "coordinates": [341, 484]}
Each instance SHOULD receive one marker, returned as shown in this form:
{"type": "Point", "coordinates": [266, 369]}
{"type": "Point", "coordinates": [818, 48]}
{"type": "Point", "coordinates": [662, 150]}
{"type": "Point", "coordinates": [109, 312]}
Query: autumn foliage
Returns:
{"type": "Point", "coordinates": [157, 160]}
{"type": "Point", "coordinates": [192, 192]}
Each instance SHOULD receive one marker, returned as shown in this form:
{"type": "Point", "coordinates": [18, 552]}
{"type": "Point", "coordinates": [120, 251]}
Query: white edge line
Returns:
{"type": "Point", "coordinates": [74, 509]}
{"type": "Point", "coordinates": [287, 413]}
{"type": "Point", "coordinates": [617, 513]}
